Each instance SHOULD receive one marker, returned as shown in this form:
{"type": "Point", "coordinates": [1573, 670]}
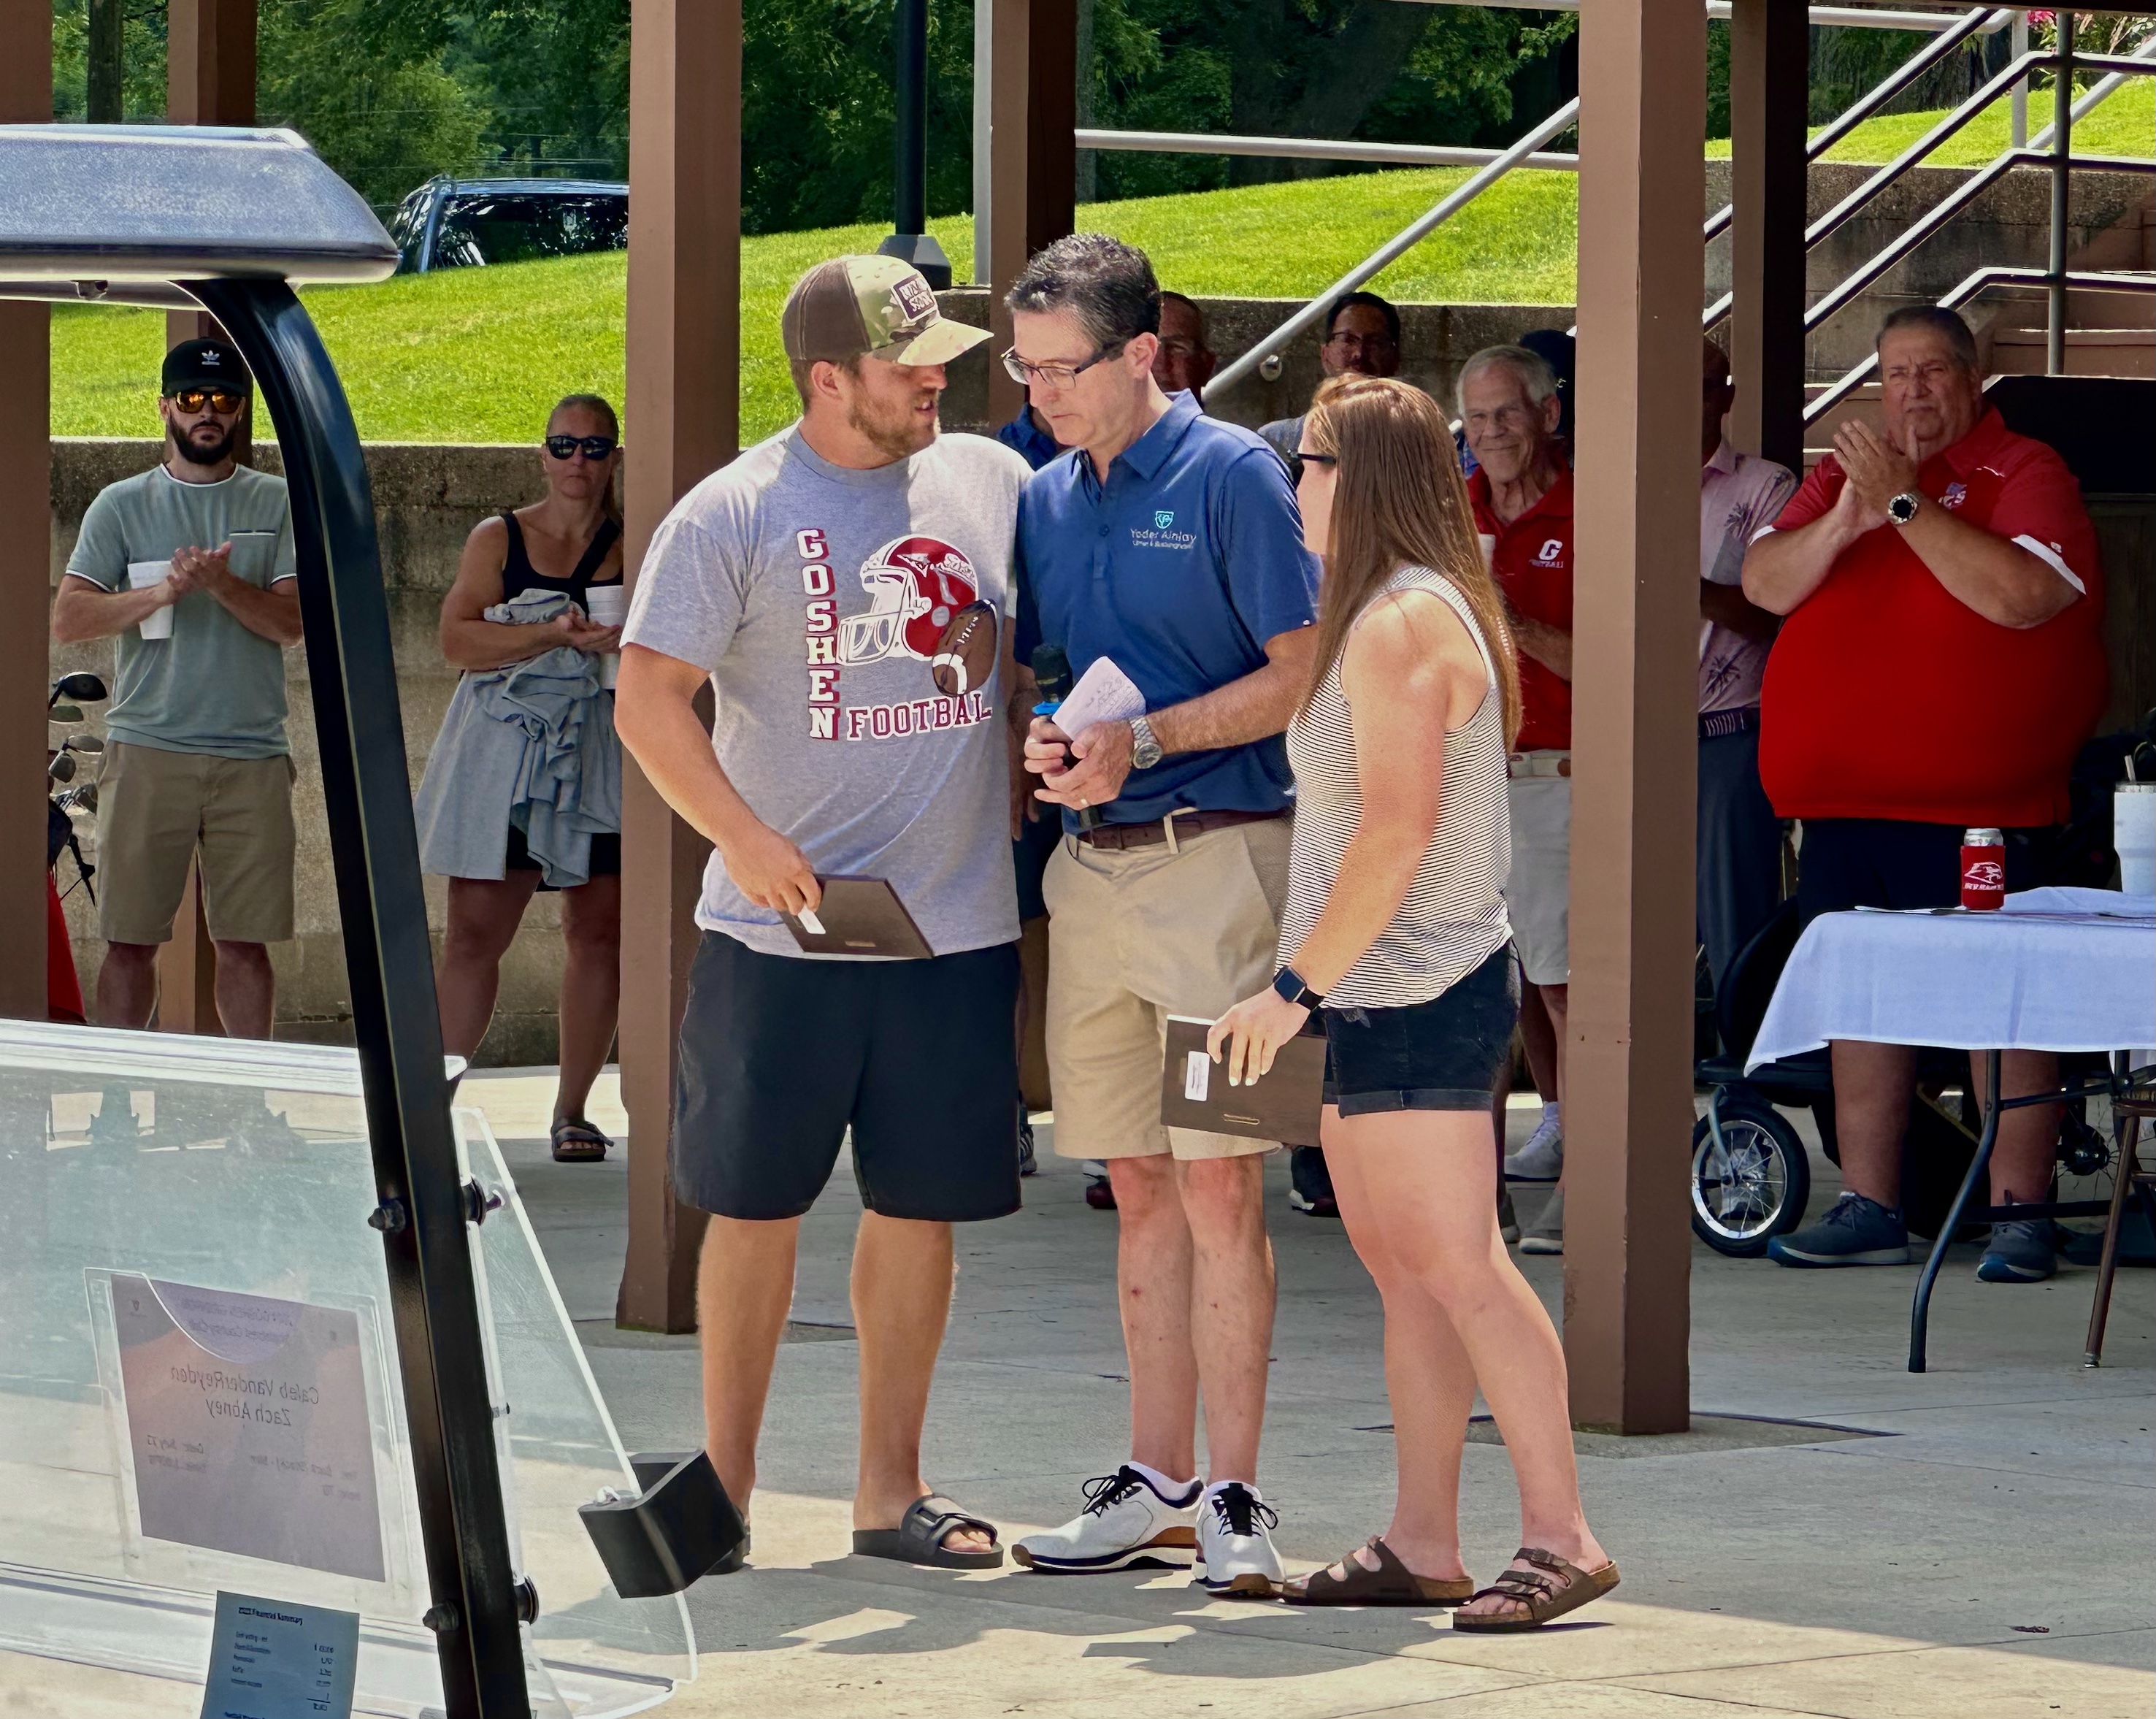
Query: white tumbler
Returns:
{"type": "Point", "coordinates": [157, 624]}
{"type": "Point", "coordinates": [2133, 834]}
{"type": "Point", "coordinates": [608, 605]}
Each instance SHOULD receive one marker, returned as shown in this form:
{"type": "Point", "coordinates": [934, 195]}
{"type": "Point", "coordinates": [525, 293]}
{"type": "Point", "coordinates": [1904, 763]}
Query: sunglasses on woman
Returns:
{"type": "Point", "coordinates": [1297, 459]}
{"type": "Point", "coordinates": [220, 400]}
{"type": "Point", "coordinates": [566, 447]}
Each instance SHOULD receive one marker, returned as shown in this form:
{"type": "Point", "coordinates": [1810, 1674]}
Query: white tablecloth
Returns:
{"type": "Point", "coordinates": [2059, 970]}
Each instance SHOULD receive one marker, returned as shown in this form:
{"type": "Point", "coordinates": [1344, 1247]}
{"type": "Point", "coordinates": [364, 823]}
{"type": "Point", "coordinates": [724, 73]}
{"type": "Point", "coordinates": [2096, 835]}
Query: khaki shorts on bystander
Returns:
{"type": "Point", "coordinates": [156, 807]}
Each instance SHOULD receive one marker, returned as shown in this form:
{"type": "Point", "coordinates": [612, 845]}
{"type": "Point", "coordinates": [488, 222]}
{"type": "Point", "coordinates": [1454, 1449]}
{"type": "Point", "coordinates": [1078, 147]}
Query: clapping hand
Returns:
{"type": "Point", "coordinates": [1877, 470]}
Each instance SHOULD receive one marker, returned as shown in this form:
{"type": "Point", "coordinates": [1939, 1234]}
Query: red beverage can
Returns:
{"type": "Point", "coordinates": [1983, 871]}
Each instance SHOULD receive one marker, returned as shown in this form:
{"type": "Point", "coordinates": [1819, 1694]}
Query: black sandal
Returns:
{"type": "Point", "coordinates": [919, 1536]}
{"type": "Point", "coordinates": [576, 1141]}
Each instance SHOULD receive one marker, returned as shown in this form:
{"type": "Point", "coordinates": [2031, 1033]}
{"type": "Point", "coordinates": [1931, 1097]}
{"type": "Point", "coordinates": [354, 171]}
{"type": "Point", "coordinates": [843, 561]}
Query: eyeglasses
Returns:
{"type": "Point", "coordinates": [221, 400]}
{"type": "Point", "coordinates": [594, 447]}
{"type": "Point", "coordinates": [1297, 459]}
{"type": "Point", "coordinates": [1058, 377]}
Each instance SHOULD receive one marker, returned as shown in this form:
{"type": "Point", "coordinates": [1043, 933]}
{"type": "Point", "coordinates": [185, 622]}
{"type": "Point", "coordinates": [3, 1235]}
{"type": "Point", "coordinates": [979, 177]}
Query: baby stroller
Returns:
{"type": "Point", "coordinates": [1751, 1178]}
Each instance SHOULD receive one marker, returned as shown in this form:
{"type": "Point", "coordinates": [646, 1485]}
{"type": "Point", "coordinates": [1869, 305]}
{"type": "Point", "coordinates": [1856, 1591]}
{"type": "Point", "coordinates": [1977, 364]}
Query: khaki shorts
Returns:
{"type": "Point", "coordinates": [1134, 937]}
{"type": "Point", "coordinates": [1538, 894]}
{"type": "Point", "coordinates": [157, 809]}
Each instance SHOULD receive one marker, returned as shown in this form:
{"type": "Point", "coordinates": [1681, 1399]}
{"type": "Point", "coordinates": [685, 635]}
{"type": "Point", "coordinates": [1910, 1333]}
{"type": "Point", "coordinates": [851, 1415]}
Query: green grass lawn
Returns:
{"type": "Point", "coordinates": [2124, 124]}
{"type": "Point", "coordinates": [480, 354]}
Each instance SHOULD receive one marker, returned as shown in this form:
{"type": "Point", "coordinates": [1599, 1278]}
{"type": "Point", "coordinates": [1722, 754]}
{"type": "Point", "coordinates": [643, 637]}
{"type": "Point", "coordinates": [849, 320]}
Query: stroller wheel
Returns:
{"type": "Point", "coordinates": [1755, 1185]}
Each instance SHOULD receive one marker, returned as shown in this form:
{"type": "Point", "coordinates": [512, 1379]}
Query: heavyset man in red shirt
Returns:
{"type": "Point", "coordinates": [1941, 662]}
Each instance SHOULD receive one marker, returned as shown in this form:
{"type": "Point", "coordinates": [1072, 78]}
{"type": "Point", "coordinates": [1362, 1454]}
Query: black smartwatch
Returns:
{"type": "Point", "coordinates": [1902, 508]}
{"type": "Point", "coordinates": [1290, 987]}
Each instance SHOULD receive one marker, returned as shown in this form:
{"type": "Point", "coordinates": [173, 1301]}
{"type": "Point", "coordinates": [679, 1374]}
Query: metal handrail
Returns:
{"type": "Point", "coordinates": [1431, 155]}
{"type": "Point", "coordinates": [1985, 19]}
{"type": "Point", "coordinates": [1976, 283]}
{"type": "Point", "coordinates": [1555, 126]}
{"type": "Point", "coordinates": [2142, 63]}
{"type": "Point", "coordinates": [1946, 208]}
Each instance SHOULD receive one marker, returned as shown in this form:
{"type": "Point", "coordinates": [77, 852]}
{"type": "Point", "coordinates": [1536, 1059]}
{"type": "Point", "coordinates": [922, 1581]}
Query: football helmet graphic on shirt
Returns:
{"type": "Point", "coordinates": [915, 586]}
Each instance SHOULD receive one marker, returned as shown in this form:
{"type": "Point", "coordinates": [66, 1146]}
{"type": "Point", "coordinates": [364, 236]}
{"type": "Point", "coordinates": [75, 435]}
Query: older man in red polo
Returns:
{"type": "Point", "coordinates": [1941, 662]}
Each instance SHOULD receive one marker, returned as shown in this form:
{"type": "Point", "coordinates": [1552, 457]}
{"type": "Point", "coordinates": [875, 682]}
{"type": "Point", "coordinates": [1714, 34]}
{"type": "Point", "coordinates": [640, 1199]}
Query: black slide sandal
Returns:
{"type": "Point", "coordinates": [576, 1141]}
{"type": "Point", "coordinates": [918, 1538]}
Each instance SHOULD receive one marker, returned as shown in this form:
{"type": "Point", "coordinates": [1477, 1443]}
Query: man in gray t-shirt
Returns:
{"type": "Point", "coordinates": [814, 584]}
{"type": "Point", "coordinates": [189, 565]}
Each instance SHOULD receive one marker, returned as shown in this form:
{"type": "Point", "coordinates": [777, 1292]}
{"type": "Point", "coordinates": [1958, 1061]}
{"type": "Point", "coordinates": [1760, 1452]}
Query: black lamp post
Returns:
{"type": "Point", "coordinates": [909, 182]}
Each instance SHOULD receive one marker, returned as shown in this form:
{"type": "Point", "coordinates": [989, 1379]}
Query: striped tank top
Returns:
{"type": "Point", "coordinates": [1453, 917]}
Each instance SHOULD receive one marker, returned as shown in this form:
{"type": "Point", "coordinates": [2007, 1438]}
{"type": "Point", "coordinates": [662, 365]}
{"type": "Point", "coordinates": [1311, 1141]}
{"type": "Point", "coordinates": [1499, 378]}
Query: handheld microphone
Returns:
{"type": "Point", "coordinates": [1051, 673]}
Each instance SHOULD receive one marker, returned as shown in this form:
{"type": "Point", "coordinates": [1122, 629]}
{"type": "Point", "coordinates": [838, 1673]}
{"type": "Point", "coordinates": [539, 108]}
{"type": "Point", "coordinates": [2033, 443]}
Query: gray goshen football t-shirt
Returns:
{"type": "Point", "coordinates": [815, 595]}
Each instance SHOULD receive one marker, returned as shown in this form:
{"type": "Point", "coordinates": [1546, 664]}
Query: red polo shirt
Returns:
{"type": "Point", "coordinates": [1887, 697]}
{"type": "Point", "coordinates": [1532, 562]}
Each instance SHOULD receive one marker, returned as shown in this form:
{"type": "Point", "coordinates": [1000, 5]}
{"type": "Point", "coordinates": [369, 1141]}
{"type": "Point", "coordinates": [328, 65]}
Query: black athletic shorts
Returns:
{"type": "Point", "coordinates": [779, 1055]}
{"type": "Point", "coordinates": [606, 857]}
{"type": "Point", "coordinates": [1885, 862]}
{"type": "Point", "coordinates": [1441, 1055]}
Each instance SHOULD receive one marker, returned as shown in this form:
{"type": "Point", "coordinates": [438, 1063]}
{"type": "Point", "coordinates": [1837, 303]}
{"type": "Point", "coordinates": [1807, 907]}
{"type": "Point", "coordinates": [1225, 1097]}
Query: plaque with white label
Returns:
{"type": "Point", "coordinates": [247, 1425]}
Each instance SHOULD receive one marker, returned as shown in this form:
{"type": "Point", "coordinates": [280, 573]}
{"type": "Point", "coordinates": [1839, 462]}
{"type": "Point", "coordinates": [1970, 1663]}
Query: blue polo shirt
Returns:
{"type": "Point", "coordinates": [1179, 566]}
{"type": "Point", "coordinates": [1028, 439]}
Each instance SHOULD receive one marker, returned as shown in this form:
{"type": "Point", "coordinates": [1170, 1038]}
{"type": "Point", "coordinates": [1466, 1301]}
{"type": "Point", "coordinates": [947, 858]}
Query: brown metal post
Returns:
{"type": "Point", "coordinates": [1635, 620]}
{"type": "Point", "coordinates": [1033, 114]}
{"type": "Point", "coordinates": [682, 421]}
{"type": "Point", "coordinates": [26, 96]}
{"type": "Point", "coordinates": [209, 80]}
{"type": "Point", "coordinates": [1770, 65]}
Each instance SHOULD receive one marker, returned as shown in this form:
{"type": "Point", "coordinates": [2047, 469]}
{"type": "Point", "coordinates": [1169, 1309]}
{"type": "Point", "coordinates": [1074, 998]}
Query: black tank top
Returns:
{"type": "Point", "coordinates": [519, 575]}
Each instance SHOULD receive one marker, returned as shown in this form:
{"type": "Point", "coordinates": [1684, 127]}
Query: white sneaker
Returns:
{"type": "Point", "coordinates": [1542, 1158]}
{"type": "Point", "coordinates": [1236, 1554]}
{"type": "Point", "coordinates": [1127, 1520]}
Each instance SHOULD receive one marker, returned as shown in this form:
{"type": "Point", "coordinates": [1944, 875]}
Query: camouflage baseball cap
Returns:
{"type": "Point", "coordinates": [873, 307]}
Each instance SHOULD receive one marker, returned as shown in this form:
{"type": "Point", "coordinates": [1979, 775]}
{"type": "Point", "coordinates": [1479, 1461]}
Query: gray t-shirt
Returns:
{"type": "Point", "coordinates": [214, 686]}
{"type": "Point", "coordinates": [815, 595]}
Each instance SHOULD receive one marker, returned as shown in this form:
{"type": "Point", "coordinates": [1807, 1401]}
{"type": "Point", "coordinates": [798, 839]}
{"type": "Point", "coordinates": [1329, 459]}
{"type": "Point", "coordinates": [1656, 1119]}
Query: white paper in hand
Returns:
{"type": "Point", "coordinates": [1104, 694]}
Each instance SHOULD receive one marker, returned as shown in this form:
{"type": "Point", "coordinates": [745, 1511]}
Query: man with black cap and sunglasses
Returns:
{"type": "Point", "coordinates": [190, 566]}
{"type": "Point", "coordinates": [814, 584]}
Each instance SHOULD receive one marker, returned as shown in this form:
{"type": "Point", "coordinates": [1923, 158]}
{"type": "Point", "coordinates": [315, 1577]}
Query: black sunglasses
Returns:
{"type": "Point", "coordinates": [1297, 460]}
{"type": "Point", "coordinates": [221, 400]}
{"type": "Point", "coordinates": [595, 447]}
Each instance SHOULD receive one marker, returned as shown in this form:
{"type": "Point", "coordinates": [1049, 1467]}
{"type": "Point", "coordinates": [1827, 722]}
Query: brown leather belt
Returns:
{"type": "Point", "coordinates": [1187, 824]}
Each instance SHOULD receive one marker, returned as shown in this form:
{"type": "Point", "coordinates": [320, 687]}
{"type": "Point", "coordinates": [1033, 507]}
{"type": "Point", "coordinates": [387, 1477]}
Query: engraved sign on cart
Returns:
{"type": "Point", "coordinates": [246, 1420]}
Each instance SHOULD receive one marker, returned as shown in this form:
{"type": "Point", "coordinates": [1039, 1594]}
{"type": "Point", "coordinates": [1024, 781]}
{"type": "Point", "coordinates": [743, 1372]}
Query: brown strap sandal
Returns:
{"type": "Point", "coordinates": [1392, 1584]}
{"type": "Point", "coordinates": [1538, 1597]}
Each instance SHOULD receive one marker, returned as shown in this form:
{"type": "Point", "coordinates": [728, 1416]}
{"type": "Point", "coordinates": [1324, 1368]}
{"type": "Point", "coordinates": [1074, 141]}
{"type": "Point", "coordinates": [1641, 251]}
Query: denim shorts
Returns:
{"type": "Point", "coordinates": [1441, 1055]}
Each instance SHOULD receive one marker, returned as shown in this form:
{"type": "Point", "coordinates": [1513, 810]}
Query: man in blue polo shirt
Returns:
{"type": "Point", "coordinates": [1170, 543]}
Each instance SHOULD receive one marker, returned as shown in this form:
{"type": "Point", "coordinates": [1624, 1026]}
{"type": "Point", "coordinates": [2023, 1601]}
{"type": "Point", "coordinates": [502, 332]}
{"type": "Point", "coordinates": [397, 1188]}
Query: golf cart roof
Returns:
{"type": "Point", "coordinates": [114, 212]}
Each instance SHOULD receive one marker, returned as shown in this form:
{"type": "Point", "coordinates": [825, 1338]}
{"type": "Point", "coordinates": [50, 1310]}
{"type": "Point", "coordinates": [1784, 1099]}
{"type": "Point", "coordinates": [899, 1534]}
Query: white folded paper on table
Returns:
{"type": "Point", "coordinates": [1104, 694]}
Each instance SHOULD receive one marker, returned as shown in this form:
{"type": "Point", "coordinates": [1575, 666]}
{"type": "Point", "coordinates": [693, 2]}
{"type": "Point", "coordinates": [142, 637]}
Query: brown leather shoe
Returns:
{"type": "Point", "coordinates": [1536, 1598]}
{"type": "Point", "coordinates": [1392, 1584]}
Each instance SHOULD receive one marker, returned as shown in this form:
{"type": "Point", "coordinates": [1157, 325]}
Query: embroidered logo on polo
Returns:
{"type": "Point", "coordinates": [1551, 553]}
{"type": "Point", "coordinates": [915, 585]}
{"type": "Point", "coordinates": [1162, 534]}
{"type": "Point", "coordinates": [1956, 494]}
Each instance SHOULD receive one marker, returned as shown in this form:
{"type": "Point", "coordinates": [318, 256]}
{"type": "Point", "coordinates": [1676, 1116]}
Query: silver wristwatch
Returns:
{"type": "Point", "coordinates": [1902, 508]}
{"type": "Point", "coordinates": [1145, 750]}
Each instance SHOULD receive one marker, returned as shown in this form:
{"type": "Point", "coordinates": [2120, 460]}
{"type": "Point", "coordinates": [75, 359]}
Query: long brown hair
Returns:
{"type": "Point", "coordinates": [1398, 500]}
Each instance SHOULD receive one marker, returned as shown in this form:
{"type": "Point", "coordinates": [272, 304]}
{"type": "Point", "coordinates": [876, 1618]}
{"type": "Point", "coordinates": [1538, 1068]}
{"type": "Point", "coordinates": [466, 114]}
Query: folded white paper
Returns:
{"type": "Point", "coordinates": [1104, 694]}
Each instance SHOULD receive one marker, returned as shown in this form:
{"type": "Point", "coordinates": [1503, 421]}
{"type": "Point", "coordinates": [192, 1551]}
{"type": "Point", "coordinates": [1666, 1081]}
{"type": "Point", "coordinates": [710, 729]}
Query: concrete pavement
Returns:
{"type": "Point", "coordinates": [1974, 1541]}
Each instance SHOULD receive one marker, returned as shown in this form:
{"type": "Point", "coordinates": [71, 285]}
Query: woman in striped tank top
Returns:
{"type": "Point", "coordinates": [1395, 936]}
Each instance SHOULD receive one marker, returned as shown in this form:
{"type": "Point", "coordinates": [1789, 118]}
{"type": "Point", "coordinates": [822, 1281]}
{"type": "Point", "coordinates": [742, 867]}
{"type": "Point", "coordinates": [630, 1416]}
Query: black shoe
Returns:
{"type": "Point", "coordinates": [1099, 1195]}
{"type": "Point", "coordinates": [1026, 1166]}
{"type": "Point", "coordinates": [1310, 1183]}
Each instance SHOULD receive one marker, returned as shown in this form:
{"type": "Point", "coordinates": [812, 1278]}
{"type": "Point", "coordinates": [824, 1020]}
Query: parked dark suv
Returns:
{"type": "Point", "coordinates": [457, 224]}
